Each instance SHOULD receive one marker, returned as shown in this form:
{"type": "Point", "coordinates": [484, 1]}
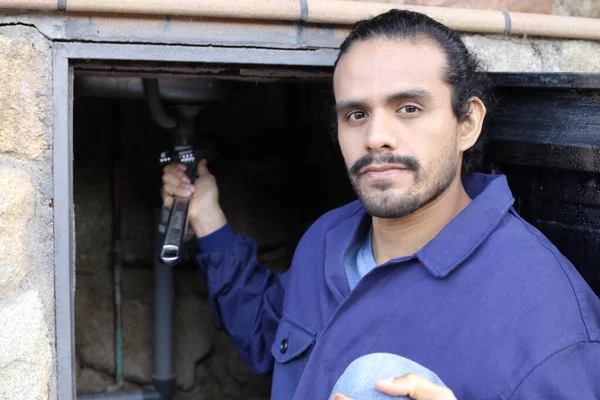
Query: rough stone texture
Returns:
{"type": "Point", "coordinates": [195, 331]}
{"type": "Point", "coordinates": [501, 54]}
{"type": "Point", "coordinates": [193, 327]}
{"type": "Point", "coordinates": [16, 209]}
{"type": "Point", "coordinates": [26, 356]}
{"type": "Point", "coordinates": [528, 6]}
{"type": "Point", "coordinates": [225, 376]}
{"type": "Point", "coordinates": [509, 54]}
{"type": "Point", "coordinates": [234, 377]}
{"type": "Point", "coordinates": [205, 360]}
{"type": "Point", "coordinates": [93, 380]}
{"type": "Point", "coordinates": [577, 8]}
{"type": "Point", "coordinates": [22, 99]}
{"type": "Point", "coordinates": [26, 216]}
{"type": "Point", "coordinates": [580, 56]}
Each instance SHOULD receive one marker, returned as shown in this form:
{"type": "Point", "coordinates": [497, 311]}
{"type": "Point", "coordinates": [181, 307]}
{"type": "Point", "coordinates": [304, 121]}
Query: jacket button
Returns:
{"type": "Point", "coordinates": [283, 346]}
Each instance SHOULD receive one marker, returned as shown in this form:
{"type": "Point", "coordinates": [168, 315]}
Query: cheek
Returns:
{"type": "Point", "coordinates": [350, 147]}
{"type": "Point", "coordinates": [435, 142]}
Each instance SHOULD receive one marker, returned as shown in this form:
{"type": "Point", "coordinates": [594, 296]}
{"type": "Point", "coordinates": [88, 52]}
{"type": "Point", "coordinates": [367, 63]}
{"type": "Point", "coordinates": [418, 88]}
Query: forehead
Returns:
{"type": "Point", "coordinates": [376, 67]}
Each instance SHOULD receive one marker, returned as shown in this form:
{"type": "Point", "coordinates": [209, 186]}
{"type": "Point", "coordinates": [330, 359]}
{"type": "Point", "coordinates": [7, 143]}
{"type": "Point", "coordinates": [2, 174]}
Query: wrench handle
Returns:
{"type": "Point", "coordinates": [170, 252]}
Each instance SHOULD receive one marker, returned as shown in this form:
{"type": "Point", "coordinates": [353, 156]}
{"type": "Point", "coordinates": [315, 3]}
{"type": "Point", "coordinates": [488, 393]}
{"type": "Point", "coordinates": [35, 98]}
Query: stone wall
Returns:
{"type": "Point", "coordinates": [26, 235]}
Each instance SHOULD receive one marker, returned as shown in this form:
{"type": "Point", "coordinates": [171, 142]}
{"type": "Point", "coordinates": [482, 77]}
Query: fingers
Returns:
{"type": "Point", "coordinates": [168, 201]}
{"type": "Point", "coordinates": [176, 182]}
{"type": "Point", "coordinates": [177, 170]}
{"type": "Point", "coordinates": [202, 169]}
{"type": "Point", "coordinates": [414, 386]}
{"type": "Point", "coordinates": [339, 396]}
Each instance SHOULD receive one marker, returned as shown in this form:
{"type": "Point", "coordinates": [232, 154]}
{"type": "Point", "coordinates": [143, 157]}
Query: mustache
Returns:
{"type": "Point", "coordinates": [409, 162]}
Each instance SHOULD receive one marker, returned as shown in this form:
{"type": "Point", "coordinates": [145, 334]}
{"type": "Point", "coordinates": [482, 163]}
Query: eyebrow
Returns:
{"type": "Point", "coordinates": [411, 94]}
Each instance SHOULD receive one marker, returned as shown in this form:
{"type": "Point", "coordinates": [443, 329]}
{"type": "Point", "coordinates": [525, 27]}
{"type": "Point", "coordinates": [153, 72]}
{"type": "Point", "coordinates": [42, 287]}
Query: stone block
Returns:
{"type": "Point", "coordinates": [577, 8]}
{"type": "Point", "coordinates": [94, 381]}
{"type": "Point", "coordinates": [580, 56]}
{"type": "Point", "coordinates": [16, 209]}
{"type": "Point", "coordinates": [25, 353]}
{"type": "Point", "coordinates": [94, 331]}
{"type": "Point", "coordinates": [527, 6]}
{"type": "Point", "coordinates": [194, 336]}
{"type": "Point", "coordinates": [499, 54]}
{"type": "Point", "coordinates": [23, 99]}
{"type": "Point", "coordinates": [193, 328]}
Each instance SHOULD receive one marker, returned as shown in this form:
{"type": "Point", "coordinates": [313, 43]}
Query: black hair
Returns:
{"type": "Point", "coordinates": [463, 71]}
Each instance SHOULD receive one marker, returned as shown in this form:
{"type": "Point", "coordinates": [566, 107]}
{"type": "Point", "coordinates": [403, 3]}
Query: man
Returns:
{"type": "Point", "coordinates": [431, 272]}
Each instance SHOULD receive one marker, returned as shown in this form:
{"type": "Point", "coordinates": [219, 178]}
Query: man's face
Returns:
{"type": "Point", "coordinates": [396, 128]}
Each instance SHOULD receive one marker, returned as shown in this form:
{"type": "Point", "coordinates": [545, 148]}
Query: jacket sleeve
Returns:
{"type": "Point", "coordinates": [571, 373]}
{"type": "Point", "coordinates": [245, 297]}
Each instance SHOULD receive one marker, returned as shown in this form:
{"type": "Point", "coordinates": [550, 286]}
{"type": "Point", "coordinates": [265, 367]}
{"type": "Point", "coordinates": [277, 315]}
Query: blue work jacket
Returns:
{"type": "Point", "coordinates": [489, 305]}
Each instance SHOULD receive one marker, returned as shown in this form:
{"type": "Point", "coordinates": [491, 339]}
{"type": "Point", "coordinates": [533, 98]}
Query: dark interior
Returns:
{"type": "Point", "coordinates": [278, 170]}
{"type": "Point", "coordinates": [545, 136]}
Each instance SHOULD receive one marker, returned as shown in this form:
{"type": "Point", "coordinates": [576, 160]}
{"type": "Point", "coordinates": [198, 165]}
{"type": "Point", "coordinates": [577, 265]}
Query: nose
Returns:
{"type": "Point", "coordinates": [381, 134]}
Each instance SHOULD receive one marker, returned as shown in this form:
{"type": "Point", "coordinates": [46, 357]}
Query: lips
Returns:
{"type": "Point", "coordinates": [382, 171]}
{"type": "Point", "coordinates": [382, 168]}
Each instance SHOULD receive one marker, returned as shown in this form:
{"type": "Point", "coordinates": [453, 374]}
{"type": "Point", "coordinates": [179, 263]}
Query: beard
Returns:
{"type": "Point", "coordinates": [426, 186]}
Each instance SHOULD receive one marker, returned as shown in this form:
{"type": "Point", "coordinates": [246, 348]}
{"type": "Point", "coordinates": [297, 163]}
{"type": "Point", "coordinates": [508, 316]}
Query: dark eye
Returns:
{"type": "Point", "coordinates": [356, 115]}
{"type": "Point", "coordinates": [408, 109]}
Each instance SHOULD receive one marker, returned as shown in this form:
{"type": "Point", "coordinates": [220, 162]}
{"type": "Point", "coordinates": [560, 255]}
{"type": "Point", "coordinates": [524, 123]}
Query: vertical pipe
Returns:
{"type": "Point", "coordinates": [116, 235]}
{"type": "Point", "coordinates": [164, 374]}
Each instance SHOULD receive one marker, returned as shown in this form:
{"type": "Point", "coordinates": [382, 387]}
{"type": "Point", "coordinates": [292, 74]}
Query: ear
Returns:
{"type": "Point", "coordinates": [470, 128]}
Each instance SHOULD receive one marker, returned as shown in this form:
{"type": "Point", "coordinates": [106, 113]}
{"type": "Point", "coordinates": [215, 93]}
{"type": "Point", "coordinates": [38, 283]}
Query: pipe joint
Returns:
{"type": "Point", "coordinates": [164, 387]}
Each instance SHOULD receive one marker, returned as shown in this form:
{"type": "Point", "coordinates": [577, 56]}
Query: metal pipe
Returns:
{"type": "Point", "coordinates": [332, 12]}
{"type": "Point", "coordinates": [170, 89]}
{"type": "Point", "coordinates": [157, 111]}
{"type": "Point", "coordinates": [116, 239]}
{"type": "Point", "coordinates": [164, 374]}
{"type": "Point", "coordinates": [163, 331]}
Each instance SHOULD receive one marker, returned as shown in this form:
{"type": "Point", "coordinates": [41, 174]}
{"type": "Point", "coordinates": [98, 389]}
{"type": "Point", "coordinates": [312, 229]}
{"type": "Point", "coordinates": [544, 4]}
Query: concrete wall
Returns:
{"type": "Point", "coordinates": [26, 241]}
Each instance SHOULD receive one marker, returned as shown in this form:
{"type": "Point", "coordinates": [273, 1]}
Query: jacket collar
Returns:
{"type": "Point", "coordinates": [491, 200]}
{"type": "Point", "coordinates": [341, 242]}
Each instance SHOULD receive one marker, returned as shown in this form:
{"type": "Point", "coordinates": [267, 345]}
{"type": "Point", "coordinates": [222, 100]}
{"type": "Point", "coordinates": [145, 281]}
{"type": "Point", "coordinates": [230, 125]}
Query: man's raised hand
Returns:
{"type": "Point", "coordinates": [205, 213]}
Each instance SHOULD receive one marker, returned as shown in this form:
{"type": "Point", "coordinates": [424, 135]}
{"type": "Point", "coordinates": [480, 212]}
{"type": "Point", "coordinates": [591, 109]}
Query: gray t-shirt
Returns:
{"type": "Point", "coordinates": [361, 262]}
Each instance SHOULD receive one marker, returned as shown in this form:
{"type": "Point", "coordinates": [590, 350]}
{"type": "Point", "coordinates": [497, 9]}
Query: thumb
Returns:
{"type": "Point", "coordinates": [202, 169]}
{"type": "Point", "coordinates": [414, 386]}
{"type": "Point", "coordinates": [339, 396]}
